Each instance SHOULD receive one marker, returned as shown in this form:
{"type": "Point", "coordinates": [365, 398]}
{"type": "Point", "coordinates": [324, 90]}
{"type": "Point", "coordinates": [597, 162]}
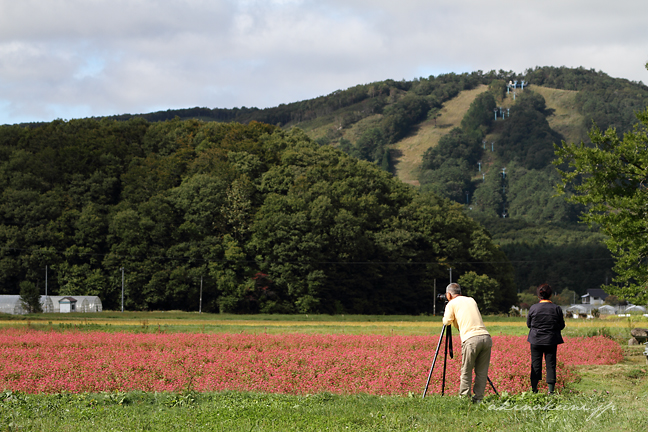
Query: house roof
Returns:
{"type": "Point", "coordinates": [597, 292]}
{"type": "Point", "coordinates": [70, 299]}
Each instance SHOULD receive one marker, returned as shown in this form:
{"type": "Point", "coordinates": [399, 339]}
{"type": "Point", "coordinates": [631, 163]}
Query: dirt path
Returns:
{"type": "Point", "coordinates": [408, 153]}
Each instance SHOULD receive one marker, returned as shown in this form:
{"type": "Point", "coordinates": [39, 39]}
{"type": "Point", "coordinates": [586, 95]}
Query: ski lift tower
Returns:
{"type": "Point", "coordinates": [514, 87]}
{"type": "Point", "coordinates": [504, 214]}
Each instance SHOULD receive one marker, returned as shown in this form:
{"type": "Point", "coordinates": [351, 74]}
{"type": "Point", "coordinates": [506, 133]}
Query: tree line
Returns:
{"type": "Point", "coordinates": [266, 219]}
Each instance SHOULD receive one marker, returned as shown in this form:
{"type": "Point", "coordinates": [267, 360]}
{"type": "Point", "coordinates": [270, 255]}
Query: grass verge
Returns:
{"type": "Point", "coordinates": [231, 411]}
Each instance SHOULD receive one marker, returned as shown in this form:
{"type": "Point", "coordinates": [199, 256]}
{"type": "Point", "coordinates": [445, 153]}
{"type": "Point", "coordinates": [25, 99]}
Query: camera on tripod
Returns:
{"type": "Point", "coordinates": [442, 298]}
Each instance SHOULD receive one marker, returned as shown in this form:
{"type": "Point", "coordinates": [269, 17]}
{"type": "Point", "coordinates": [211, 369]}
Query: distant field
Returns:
{"type": "Point", "coordinates": [191, 322]}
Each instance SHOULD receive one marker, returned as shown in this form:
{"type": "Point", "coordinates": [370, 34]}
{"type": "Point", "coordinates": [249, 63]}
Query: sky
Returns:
{"type": "Point", "coordinates": [65, 59]}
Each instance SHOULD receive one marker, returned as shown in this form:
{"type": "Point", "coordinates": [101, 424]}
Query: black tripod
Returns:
{"type": "Point", "coordinates": [447, 330]}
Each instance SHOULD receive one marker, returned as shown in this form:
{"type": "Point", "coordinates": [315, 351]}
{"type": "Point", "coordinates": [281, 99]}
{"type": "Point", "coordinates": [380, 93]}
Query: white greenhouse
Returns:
{"type": "Point", "coordinates": [577, 309]}
{"type": "Point", "coordinates": [607, 310]}
{"type": "Point", "coordinates": [83, 303]}
{"type": "Point", "coordinates": [635, 309]}
{"type": "Point", "coordinates": [88, 304]}
{"type": "Point", "coordinates": [11, 304]}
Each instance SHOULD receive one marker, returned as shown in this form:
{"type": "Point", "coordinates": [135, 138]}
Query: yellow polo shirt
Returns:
{"type": "Point", "coordinates": [462, 312]}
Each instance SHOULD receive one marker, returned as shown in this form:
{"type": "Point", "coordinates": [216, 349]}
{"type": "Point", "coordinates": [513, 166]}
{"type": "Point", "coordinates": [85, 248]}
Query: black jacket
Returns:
{"type": "Point", "coordinates": [545, 321]}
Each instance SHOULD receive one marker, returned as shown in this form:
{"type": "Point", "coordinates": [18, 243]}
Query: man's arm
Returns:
{"type": "Point", "coordinates": [449, 316]}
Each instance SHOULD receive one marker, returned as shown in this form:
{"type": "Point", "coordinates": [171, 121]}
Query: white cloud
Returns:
{"type": "Point", "coordinates": [76, 58]}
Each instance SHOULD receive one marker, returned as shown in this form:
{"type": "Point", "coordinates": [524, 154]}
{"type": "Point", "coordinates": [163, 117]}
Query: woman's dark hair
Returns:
{"type": "Point", "coordinates": [544, 292]}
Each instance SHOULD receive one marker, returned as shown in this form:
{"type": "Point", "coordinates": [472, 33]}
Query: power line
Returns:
{"type": "Point", "coordinates": [171, 258]}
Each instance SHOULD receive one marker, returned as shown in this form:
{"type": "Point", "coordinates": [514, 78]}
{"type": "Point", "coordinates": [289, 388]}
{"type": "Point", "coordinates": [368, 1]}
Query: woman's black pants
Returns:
{"type": "Point", "coordinates": [549, 352]}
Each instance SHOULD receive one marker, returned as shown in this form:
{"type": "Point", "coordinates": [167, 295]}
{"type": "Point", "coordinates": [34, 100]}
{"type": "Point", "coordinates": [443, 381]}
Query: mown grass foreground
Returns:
{"type": "Point", "coordinates": [622, 410]}
{"type": "Point", "coordinates": [605, 398]}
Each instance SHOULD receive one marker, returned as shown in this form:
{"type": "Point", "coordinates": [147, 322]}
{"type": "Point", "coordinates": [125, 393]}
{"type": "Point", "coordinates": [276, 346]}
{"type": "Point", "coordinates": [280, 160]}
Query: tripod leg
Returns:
{"type": "Point", "coordinates": [448, 343]}
{"type": "Point", "coordinates": [436, 353]}
{"type": "Point", "coordinates": [449, 336]}
{"type": "Point", "coordinates": [491, 384]}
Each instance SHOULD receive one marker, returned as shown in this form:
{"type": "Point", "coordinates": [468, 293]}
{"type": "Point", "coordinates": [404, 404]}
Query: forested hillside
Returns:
{"type": "Point", "coordinates": [268, 220]}
{"type": "Point", "coordinates": [495, 164]}
{"type": "Point", "coordinates": [501, 168]}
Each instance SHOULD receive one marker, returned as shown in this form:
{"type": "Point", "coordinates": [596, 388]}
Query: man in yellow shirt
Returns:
{"type": "Point", "coordinates": [462, 312]}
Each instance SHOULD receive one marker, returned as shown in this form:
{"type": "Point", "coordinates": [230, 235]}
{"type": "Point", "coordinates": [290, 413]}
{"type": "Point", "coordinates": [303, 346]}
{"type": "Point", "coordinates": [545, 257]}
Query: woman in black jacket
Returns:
{"type": "Point", "coordinates": [545, 320]}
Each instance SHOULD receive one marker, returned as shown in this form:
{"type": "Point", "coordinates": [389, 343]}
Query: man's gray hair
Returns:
{"type": "Point", "coordinates": [454, 289]}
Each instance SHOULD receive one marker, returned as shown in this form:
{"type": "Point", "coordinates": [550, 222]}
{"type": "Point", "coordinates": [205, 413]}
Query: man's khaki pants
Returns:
{"type": "Point", "coordinates": [475, 354]}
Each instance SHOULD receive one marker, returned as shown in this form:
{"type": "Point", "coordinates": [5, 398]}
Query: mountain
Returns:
{"type": "Point", "coordinates": [442, 134]}
{"type": "Point", "coordinates": [483, 140]}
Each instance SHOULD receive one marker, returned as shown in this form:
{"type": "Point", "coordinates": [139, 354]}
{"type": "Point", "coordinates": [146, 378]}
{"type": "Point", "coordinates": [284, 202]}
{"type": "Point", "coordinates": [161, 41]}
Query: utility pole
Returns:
{"type": "Point", "coordinates": [45, 281]}
{"type": "Point", "coordinates": [122, 299]}
{"type": "Point", "coordinates": [450, 274]}
{"type": "Point", "coordinates": [200, 301]}
{"type": "Point", "coordinates": [435, 299]}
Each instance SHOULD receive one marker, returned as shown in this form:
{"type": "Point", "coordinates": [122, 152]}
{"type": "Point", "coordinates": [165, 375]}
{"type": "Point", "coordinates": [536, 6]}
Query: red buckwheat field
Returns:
{"type": "Point", "coordinates": [51, 362]}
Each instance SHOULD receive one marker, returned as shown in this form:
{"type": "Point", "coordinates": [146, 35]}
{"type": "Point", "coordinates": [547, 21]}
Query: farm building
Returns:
{"type": "Point", "coordinates": [83, 303]}
{"type": "Point", "coordinates": [11, 304]}
{"type": "Point", "coordinates": [594, 296]}
{"type": "Point", "coordinates": [67, 304]}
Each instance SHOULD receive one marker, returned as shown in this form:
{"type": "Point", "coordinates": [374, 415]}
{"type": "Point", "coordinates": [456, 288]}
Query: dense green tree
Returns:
{"type": "Point", "coordinates": [479, 116]}
{"type": "Point", "coordinates": [268, 220]}
{"type": "Point", "coordinates": [531, 196]}
{"type": "Point", "coordinates": [497, 88]}
{"type": "Point", "coordinates": [400, 116]}
{"type": "Point", "coordinates": [457, 145]}
{"type": "Point", "coordinates": [370, 146]}
{"type": "Point", "coordinates": [526, 136]}
{"type": "Point", "coordinates": [610, 178]}
{"type": "Point", "coordinates": [564, 255]}
{"type": "Point", "coordinates": [30, 297]}
{"type": "Point", "coordinates": [451, 180]}
{"type": "Point", "coordinates": [484, 290]}
{"type": "Point", "coordinates": [489, 197]}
